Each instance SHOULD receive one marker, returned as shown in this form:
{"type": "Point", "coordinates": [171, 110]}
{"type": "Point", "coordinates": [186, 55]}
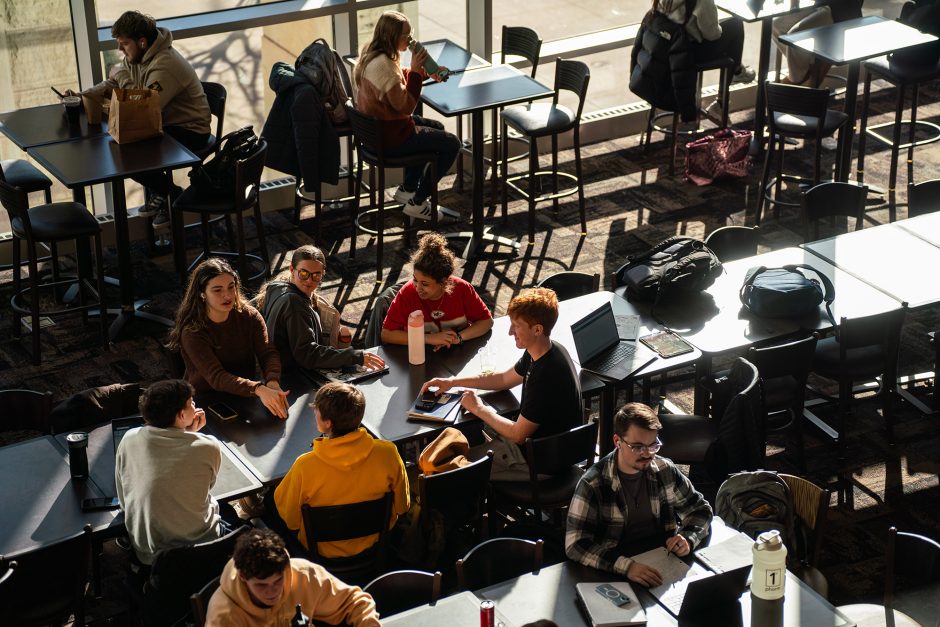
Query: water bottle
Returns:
{"type": "Point", "coordinates": [430, 65]}
{"type": "Point", "coordinates": [416, 338]}
{"type": "Point", "coordinates": [78, 454]}
{"type": "Point", "coordinates": [770, 564]}
{"type": "Point", "coordinates": [300, 619]}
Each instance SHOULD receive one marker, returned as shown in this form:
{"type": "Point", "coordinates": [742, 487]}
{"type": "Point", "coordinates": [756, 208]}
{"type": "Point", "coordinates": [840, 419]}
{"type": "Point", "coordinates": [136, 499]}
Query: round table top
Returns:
{"type": "Point", "coordinates": [870, 615]}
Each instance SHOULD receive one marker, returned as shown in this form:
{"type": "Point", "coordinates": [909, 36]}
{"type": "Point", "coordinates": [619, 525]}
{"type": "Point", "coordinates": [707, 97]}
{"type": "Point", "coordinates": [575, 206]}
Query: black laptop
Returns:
{"type": "Point", "coordinates": [600, 349]}
{"type": "Point", "coordinates": [120, 427]}
{"type": "Point", "coordinates": [715, 594]}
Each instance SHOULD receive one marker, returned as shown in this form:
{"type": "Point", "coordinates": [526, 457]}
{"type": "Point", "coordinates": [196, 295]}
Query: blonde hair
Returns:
{"type": "Point", "coordinates": [191, 315]}
{"type": "Point", "coordinates": [385, 36]}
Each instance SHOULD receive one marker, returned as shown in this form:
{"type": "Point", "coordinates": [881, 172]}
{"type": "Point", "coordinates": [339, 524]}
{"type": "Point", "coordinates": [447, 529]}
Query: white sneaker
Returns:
{"type": "Point", "coordinates": [830, 143]}
{"type": "Point", "coordinates": [402, 195]}
{"type": "Point", "coordinates": [420, 211]}
{"type": "Point", "coordinates": [744, 74]}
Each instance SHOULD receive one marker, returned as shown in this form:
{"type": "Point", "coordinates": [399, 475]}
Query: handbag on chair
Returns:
{"type": "Point", "coordinates": [723, 153]}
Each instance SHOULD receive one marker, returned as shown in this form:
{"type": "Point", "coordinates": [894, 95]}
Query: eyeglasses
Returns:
{"type": "Point", "coordinates": [642, 448]}
{"type": "Point", "coordinates": [304, 274]}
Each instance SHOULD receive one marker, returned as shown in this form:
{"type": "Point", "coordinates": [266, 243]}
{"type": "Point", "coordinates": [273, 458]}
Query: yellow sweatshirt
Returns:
{"type": "Point", "coordinates": [321, 596]}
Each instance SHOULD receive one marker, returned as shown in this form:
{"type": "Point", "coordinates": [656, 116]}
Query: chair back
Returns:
{"type": "Point", "coordinates": [913, 562]}
{"type": "Point", "coordinates": [458, 495]}
{"type": "Point", "coordinates": [556, 454]}
{"type": "Point", "coordinates": [180, 572]}
{"type": "Point", "coordinates": [733, 242]}
{"type": "Point", "coordinates": [796, 100]}
{"type": "Point", "coordinates": [49, 583]}
{"type": "Point", "coordinates": [199, 601]}
{"type": "Point", "coordinates": [402, 590]}
{"type": "Point", "coordinates": [8, 573]}
{"type": "Point", "coordinates": [368, 133]}
{"type": "Point", "coordinates": [248, 177]}
{"type": "Point", "coordinates": [811, 506]}
{"type": "Point", "coordinates": [216, 94]}
{"type": "Point", "coordinates": [739, 412]}
{"type": "Point", "coordinates": [830, 200]}
{"type": "Point", "coordinates": [793, 359]}
{"type": "Point", "coordinates": [344, 76]}
{"type": "Point", "coordinates": [521, 41]}
{"type": "Point", "coordinates": [572, 76]}
{"type": "Point", "coordinates": [26, 410]}
{"type": "Point", "coordinates": [377, 315]}
{"type": "Point", "coordinates": [16, 203]}
{"type": "Point", "coordinates": [498, 560]}
{"type": "Point", "coordinates": [882, 329]}
{"type": "Point", "coordinates": [571, 284]}
{"type": "Point", "coordinates": [923, 198]}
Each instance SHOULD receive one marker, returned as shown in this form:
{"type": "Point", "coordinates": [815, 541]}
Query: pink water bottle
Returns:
{"type": "Point", "coordinates": [416, 338]}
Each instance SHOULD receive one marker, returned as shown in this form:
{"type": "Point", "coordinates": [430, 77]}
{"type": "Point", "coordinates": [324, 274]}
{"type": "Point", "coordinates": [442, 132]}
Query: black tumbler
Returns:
{"type": "Point", "coordinates": [78, 454]}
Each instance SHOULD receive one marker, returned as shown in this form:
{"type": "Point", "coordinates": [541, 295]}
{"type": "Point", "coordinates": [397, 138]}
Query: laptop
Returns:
{"type": "Point", "coordinates": [120, 427]}
{"type": "Point", "coordinates": [709, 595]}
{"type": "Point", "coordinates": [600, 349]}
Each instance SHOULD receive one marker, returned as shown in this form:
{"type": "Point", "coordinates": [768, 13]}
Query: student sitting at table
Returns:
{"type": "Point", "coordinates": [453, 311]}
{"type": "Point", "coordinates": [221, 337]}
{"type": "Point", "coordinates": [632, 501]}
{"type": "Point", "coordinates": [346, 465]}
{"type": "Point", "coordinates": [551, 392]}
{"type": "Point", "coordinates": [164, 471]}
{"type": "Point", "coordinates": [304, 327]}
{"type": "Point", "coordinates": [390, 93]}
{"type": "Point", "coordinates": [261, 585]}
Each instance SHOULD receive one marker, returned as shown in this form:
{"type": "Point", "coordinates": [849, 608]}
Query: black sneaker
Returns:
{"type": "Point", "coordinates": [153, 206]}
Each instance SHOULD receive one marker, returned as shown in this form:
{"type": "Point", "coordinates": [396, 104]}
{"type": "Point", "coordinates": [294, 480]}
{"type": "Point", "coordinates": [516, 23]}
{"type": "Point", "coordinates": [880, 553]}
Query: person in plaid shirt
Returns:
{"type": "Point", "coordinates": [632, 501]}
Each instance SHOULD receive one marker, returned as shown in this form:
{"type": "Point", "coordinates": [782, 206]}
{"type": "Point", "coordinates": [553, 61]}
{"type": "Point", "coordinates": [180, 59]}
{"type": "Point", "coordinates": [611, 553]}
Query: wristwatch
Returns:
{"type": "Point", "coordinates": [459, 338]}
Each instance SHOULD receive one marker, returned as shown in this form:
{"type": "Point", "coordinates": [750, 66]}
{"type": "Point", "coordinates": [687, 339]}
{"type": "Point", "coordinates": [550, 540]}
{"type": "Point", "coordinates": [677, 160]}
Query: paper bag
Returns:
{"type": "Point", "coordinates": [134, 115]}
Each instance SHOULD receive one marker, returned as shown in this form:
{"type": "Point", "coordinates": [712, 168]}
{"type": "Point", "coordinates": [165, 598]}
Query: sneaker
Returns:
{"type": "Point", "coordinates": [153, 206]}
{"type": "Point", "coordinates": [162, 218]}
{"type": "Point", "coordinates": [402, 195]}
{"type": "Point", "coordinates": [830, 143]}
{"type": "Point", "coordinates": [744, 74]}
{"type": "Point", "coordinates": [420, 211]}
{"type": "Point", "coordinates": [123, 542]}
{"type": "Point", "coordinates": [714, 111]}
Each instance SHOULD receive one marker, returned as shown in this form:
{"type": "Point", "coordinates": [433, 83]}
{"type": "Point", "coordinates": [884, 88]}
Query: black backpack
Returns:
{"type": "Point", "coordinates": [217, 175]}
{"type": "Point", "coordinates": [675, 265]}
{"type": "Point", "coordinates": [317, 63]}
{"type": "Point", "coordinates": [755, 502]}
{"type": "Point", "coordinates": [786, 292]}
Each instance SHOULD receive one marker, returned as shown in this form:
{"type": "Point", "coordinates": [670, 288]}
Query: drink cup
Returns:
{"type": "Point", "coordinates": [486, 360]}
{"type": "Point", "coordinates": [73, 107]}
{"type": "Point", "coordinates": [78, 454]}
{"type": "Point", "coordinates": [92, 108]}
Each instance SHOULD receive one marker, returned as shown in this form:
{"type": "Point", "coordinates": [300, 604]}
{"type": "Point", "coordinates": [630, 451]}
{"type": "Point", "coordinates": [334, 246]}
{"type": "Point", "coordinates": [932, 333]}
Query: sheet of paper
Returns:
{"type": "Point", "coordinates": [731, 553]}
{"type": "Point", "coordinates": [670, 567]}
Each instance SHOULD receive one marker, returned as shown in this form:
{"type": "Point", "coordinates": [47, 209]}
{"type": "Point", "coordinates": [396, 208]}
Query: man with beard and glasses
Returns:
{"type": "Point", "coordinates": [632, 501]}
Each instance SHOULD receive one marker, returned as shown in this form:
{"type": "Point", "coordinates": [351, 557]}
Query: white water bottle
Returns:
{"type": "Point", "coordinates": [416, 338]}
{"type": "Point", "coordinates": [770, 566]}
{"type": "Point", "coordinates": [431, 67]}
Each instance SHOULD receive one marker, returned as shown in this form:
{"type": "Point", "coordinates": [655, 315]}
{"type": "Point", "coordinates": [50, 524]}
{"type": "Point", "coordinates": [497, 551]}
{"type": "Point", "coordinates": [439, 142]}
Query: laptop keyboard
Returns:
{"type": "Point", "coordinates": [619, 354]}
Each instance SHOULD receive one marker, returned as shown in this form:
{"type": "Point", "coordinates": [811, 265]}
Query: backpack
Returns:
{"type": "Point", "coordinates": [677, 264]}
{"type": "Point", "coordinates": [786, 292]}
{"type": "Point", "coordinates": [317, 63]}
{"type": "Point", "coordinates": [755, 502]}
{"type": "Point", "coordinates": [217, 175]}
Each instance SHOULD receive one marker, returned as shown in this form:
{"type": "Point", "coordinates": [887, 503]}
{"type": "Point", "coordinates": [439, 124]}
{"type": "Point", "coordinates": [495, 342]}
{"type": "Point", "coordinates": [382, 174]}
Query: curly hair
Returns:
{"type": "Point", "coordinates": [135, 25]}
{"type": "Point", "coordinates": [435, 259]}
{"type": "Point", "coordinates": [259, 554]}
{"type": "Point", "coordinates": [191, 315]}
{"type": "Point", "coordinates": [537, 305]}
{"type": "Point", "coordinates": [388, 30]}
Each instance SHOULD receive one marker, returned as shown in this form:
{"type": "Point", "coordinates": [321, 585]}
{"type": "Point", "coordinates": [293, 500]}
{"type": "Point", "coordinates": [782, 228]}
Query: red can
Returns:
{"type": "Point", "coordinates": [487, 614]}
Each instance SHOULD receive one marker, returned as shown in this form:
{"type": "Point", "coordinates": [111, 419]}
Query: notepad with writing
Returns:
{"type": "Point", "coordinates": [430, 407]}
{"type": "Point", "coordinates": [605, 609]}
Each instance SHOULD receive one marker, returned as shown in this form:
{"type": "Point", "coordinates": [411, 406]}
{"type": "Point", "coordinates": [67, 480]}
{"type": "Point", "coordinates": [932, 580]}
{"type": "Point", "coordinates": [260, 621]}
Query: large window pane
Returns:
{"type": "Point", "coordinates": [110, 10]}
{"type": "Point", "coordinates": [560, 19]}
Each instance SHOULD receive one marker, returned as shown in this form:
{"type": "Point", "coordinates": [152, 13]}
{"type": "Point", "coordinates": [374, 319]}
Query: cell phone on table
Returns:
{"type": "Point", "coordinates": [223, 411]}
{"type": "Point", "coordinates": [100, 504]}
{"type": "Point", "coordinates": [613, 595]}
{"type": "Point", "coordinates": [427, 401]}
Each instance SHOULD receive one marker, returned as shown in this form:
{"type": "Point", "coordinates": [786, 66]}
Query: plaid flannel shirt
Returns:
{"type": "Point", "coordinates": [598, 511]}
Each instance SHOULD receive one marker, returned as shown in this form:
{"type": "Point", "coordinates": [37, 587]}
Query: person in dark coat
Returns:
{"type": "Point", "coordinates": [301, 138]}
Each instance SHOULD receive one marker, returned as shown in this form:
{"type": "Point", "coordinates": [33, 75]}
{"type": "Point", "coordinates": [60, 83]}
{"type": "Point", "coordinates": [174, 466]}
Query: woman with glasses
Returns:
{"type": "Point", "coordinates": [304, 327]}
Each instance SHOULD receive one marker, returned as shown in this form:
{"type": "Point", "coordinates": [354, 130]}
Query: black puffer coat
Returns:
{"type": "Point", "coordinates": [662, 70]}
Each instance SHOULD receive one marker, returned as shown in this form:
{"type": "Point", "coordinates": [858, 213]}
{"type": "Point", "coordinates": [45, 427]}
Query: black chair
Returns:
{"type": "Point", "coordinates": [24, 175]}
{"type": "Point", "coordinates": [49, 584]}
{"type": "Point", "coordinates": [831, 200]}
{"type": "Point", "coordinates": [199, 602]}
{"type": "Point", "coordinates": [555, 466]}
{"type": "Point", "coordinates": [25, 410]}
{"type": "Point", "coordinates": [784, 369]}
{"type": "Point", "coordinates": [901, 76]}
{"type": "Point", "coordinates": [245, 197]}
{"type": "Point", "coordinates": [923, 198]}
{"type": "Point", "coordinates": [370, 149]}
{"type": "Point", "coordinates": [811, 509]}
{"type": "Point", "coordinates": [864, 349]}
{"type": "Point", "coordinates": [457, 496]}
{"type": "Point", "coordinates": [733, 242]}
{"type": "Point", "coordinates": [334, 523]}
{"type": "Point", "coordinates": [571, 284]}
{"type": "Point", "coordinates": [94, 406]}
{"type": "Point", "coordinates": [541, 119]}
{"type": "Point", "coordinates": [912, 572]}
{"type": "Point", "coordinates": [798, 112]}
{"type": "Point", "coordinates": [53, 223]}
{"type": "Point", "coordinates": [373, 335]}
{"type": "Point", "coordinates": [402, 590]}
{"type": "Point", "coordinates": [498, 560]}
{"type": "Point", "coordinates": [217, 95]}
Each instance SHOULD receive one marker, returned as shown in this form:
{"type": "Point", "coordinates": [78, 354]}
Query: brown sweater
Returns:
{"type": "Point", "coordinates": [390, 93]}
{"type": "Point", "coordinates": [222, 356]}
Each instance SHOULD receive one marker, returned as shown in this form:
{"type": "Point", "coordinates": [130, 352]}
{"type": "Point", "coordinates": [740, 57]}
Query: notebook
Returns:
{"type": "Point", "coordinates": [120, 427]}
{"type": "Point", "coordinates": [430, 407]}
{"type": "Point", "coordinates": [612, 604]}
{"type": "Point", "coordinates": [600, 349]}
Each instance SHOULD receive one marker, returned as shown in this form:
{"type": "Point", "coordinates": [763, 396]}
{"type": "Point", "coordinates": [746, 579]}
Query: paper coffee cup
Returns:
{"type": "Point", "coordinates": [92, 108]}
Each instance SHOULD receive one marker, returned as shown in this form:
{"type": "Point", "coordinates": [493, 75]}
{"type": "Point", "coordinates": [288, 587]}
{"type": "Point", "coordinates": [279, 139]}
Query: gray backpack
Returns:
{"type": "Point", "coordinates": [754, 502]}
{"type": "Point", "coordinates": [318, 64]}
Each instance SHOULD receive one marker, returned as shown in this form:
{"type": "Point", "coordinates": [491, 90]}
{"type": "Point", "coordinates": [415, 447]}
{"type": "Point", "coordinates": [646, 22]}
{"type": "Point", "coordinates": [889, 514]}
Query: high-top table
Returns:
{"type": "Point", "coordinates": [926, 227]}
{"type": "Point", "coordinates": [462, 608]}
{"type": "Point", "coordinates": [849, 43]}
{"type": "Point", "coordinates": [46, 124]}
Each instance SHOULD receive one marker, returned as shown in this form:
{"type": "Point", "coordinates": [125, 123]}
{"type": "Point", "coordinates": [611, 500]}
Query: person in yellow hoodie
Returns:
{"type": "Point", "coordinates": [346, 465]}
{"type": "Point", "coordinates": [261, 585]}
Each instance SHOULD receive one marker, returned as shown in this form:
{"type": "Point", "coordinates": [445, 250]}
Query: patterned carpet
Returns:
{"type": "Point", "coordinates": [631, 204]}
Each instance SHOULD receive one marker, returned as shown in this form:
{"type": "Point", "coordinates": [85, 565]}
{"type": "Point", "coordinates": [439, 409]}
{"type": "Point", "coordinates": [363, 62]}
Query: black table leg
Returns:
{"type": "Point", "coordinates": [847, 136]}
{"type": "Point", "coordinates": [763, 66]}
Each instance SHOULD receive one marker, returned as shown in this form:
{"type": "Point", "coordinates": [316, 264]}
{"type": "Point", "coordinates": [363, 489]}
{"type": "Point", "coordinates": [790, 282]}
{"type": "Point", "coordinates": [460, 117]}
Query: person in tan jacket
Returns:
{"type": "Point", "coordinates": [261, 585]}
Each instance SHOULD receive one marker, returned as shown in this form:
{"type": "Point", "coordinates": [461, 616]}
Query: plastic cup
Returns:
{"type": "Point", "coordinates": [486, 360]}
{"type": "Point", "coordinates": [73, 107]}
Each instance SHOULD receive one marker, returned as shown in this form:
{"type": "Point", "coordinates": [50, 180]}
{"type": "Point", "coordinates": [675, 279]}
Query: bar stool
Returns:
{"type": "Point", "coordinates": [539, 119]}
{"type": "Point", "coordinates": [902, 77]}
{"type": "Point", "coordinates": [27, 177]}
{"type": "Point", "coordinates": [370, 149]}
{"type": "Point", "coordinates": [52, 223]}
{"type": "Point", "coordinates": [800, 112]}
{"type": "Point", "coordinates": [923, 198]}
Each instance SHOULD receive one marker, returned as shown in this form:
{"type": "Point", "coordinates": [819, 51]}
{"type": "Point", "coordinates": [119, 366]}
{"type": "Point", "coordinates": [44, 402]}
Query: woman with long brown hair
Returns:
{"type": "Point", "coordinates": [221, 337]}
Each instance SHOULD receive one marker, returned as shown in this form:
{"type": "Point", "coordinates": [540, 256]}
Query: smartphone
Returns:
{"type": "Point", "coordinates": [427, 401]}
{"type": "Point", "coordinates": [611, 593]}
{"type": "Point", "coordinates": [223, 411]}
{"type": "Point", "coordinates": [100, 504]}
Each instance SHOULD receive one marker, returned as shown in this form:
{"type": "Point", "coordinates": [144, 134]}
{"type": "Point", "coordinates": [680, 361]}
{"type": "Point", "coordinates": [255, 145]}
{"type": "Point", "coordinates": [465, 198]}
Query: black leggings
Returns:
{"type": "Point", "coordinates": [156, 182]}
{"type": "Point", "coordinates": [730, 44]}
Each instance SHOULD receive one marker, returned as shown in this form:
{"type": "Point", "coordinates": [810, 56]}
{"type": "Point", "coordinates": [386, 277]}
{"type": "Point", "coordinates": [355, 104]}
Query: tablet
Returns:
{"type": "Point", "coordinates": [666, 344]}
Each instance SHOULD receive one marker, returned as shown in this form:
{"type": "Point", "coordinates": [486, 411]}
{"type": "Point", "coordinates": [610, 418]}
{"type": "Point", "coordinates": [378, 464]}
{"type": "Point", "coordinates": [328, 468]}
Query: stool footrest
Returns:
{"type": "Point", "coordinates": [510, 182]}
{"type": "Point", "coordinates": [888, 141]}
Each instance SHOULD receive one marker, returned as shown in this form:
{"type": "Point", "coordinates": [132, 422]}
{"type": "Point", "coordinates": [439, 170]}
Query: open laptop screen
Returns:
{"type": "Point", "coordinates": [120, 426]}
{"type": "Point", "coordinates": [595, 333]}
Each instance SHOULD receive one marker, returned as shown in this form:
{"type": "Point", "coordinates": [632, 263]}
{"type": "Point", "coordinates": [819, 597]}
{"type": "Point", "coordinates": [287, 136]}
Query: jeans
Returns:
{"type": "Point", "coordinates": [156, 181]}
{"type": "Point", "coordinates": [730, 44]}
{"type": "Point", "coordinates": [429, 136]}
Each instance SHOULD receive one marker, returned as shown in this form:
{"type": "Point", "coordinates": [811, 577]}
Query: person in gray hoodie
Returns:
{"type": "Point", "coordinates": [304, 327]}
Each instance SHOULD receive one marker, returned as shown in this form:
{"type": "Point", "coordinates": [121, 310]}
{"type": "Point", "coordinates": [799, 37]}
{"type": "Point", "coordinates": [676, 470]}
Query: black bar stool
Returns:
{"type": "Point", "coordinates": [24, 175]}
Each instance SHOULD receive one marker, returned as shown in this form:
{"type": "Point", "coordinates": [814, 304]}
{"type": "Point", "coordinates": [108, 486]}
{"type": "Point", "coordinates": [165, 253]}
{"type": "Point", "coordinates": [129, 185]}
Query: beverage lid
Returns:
{"type": "Point", "coordinates": [486, 605]}
{"type": "Point", "coordinates": [76, 437]}
{"type": "Point", "coordinates": [416, 318]}
{"type": "Point", "coordinates": [71, 101]}
{"type": "Point", "coordinates": [769, 541]}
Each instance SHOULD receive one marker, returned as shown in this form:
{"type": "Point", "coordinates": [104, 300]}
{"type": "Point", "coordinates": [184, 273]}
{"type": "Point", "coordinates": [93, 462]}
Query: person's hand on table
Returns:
{"type": "Point", "coordinates": [417, 61]}
{"type": "Point", "coordinates": [273, 398]}
{"type": "Point", "coordinates": [442, 339]}
{"type": "Point", "coordinates": [644, 575]}
{"type": "Point", "coordinates": [199, 421]}
{"type": "Point", "coordinates": [471, 402]}
{"type": "Point", "coordinates": [442, 385]}
{"type": "Point", "coordinates": [678, 545]}
{"type": "Point", "coordinates": [372, 361]}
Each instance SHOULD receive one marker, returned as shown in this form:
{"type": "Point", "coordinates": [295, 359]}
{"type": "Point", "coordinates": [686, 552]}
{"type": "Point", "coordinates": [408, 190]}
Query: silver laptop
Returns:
{"type": "Point", "coordinates": [600, 349]}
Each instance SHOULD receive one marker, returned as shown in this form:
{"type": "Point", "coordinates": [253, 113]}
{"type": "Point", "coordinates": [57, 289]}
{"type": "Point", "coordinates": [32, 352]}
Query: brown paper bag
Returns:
{"type": "Point", "coordinates": [134, 115]}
